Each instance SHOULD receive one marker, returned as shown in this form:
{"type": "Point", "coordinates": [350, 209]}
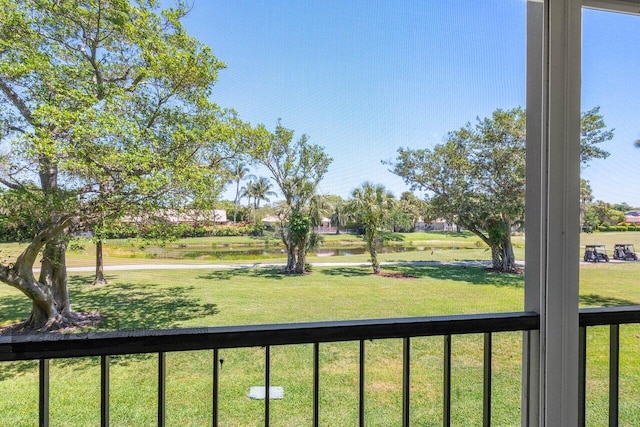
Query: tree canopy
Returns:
{"type": "Point", "coordinates": [371, 206]}
{"type": "Point", "coordinates": [106, 112]}
{"type": "Point", "coordinates": [476, 177]}
{"type": "Point", "coordinates": [296, 167]}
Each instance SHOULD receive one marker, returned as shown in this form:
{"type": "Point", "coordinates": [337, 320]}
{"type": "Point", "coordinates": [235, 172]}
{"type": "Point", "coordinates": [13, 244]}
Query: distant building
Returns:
{"type": "Point", "coordinates": [632, 217]}
{"type": "Point", "coordinates": [271, 221]}
{"type": "Point", "coordinates": [441, 224]}
{"type": "Point", "coordinates": [192, 216]}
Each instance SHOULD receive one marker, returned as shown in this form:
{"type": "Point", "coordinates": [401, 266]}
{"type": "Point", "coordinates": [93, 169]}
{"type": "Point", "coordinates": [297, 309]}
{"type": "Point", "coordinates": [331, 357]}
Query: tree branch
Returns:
{"type": "Point", "coordinates": [16, 101]}
{"type": "Point", "coordinates": [11, 185]}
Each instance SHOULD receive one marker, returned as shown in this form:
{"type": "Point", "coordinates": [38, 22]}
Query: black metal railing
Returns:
{"type": "Point", "coordinates": [45, 347]}
{"type": "Point", "coordinates": [612, 317]}
{"type": "Point", "coordinates": [105, 344]}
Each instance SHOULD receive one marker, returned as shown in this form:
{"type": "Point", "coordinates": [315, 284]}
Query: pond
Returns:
{"type": "Point", "coordinates": [242, 253]}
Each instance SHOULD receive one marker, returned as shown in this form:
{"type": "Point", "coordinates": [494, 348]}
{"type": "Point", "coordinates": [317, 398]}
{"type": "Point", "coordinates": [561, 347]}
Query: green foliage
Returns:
{"type": "Point", "coordinates": [256, 229]}
{"type": "Point", "coordinates": [106, 114]}
{"type": "Point", "coordinates": [168, 231]}
{"type": "Point", "coordinates": [476, 177]}
{"type": "Point", "coordinates": [371, 207]}
{"type": "Point", "coordinates": [623, 227]}
{"type": "Point", "coordinates": [299, 225]}
{"type": "Point", "coordinates": [601, 213]}
{"type": "Point", "coordinates": [297, 167]}
{"type": "Point", "coordinates": [314, 242]}
{"type": "Point", "coordinates": [593, 131]}
{"type": "Point", "coordinates": [76, 246]}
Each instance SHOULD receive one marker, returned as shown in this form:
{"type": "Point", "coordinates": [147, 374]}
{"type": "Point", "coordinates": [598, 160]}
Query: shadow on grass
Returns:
{"type": "Point", "coordinates": [460, 273]}
{"type": "Point", "coordinates": [12, 369]}
{"type": "Point", "coordinates": [126, 307]}
{"type": "Point", "coordinates": [14, 309]}
{"type": "Point", "coordinates": [347, 271]}
{"type": "Point", "coordinates": [594, 300]}
{"type": "Point", "coordinates": [458, 234]}
{"type": "Point", "coordinates": [129, 306]}
{"type": "Point", "coordinates": [262, 272]}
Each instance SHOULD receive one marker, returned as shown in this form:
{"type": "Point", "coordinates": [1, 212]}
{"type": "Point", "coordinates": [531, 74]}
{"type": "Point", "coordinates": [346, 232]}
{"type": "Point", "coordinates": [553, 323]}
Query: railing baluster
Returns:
{"type": "Point", "coordinates": [104, 391]}
{"type": "Point", "coordinates": [316, 384]}
{"type": "Point", "coordinates": [267, 375]}
{"type": "Point", "coordinates": [214, 397]}
{"type": "Point", "coordinates": [614, 372]}
{"type": "Point", "coordinates": [582, 375]}
{"type": "Point", "coordinates": [406, 380]}
{"type": "Point", "coordinates": [486, 395]}
{"type": "Point", "coordinates": [43, 395]}
{"type": "Point", "coordinates": [48, 347]}
{"type": "Point", "coordinates": [162, 378]}
{"type": "Point", "coordinates": [361, 393]}
{"type": "Point", "coordinates": [446, 416]}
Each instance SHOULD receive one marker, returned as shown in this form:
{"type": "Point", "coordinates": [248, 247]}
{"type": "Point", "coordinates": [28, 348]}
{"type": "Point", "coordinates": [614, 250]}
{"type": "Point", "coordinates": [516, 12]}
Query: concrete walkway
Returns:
{"type": "Point", "coordinates": [266, 265]}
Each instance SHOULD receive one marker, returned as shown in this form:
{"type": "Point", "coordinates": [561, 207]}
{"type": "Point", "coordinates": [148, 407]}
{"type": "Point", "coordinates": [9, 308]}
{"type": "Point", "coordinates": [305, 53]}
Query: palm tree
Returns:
{"type": "Point", "coordinates": [260, 190]}
{"type": "Point", "coordinates": [240, 172]}
{"type": "Point", "coordinates": [338, 216]}
{"type": "Point", "coordinates": [318, 207]}
{"type": "Point", "coordinates": [371, 205]}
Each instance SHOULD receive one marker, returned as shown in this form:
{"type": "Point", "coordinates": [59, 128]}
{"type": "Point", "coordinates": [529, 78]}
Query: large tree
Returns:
{"type": "Point", "coordinates": [297, 167]}
{"type": "Point", "coordinates": [371, 207]}
{"type": "Point", "coordinates": [106, 111]}
{"type": "Point", "coordinates": [476, 176]}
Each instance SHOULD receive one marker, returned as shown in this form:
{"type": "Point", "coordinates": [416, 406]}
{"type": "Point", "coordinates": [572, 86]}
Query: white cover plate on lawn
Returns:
{"type": "Point", "coordinates": [259, 392]}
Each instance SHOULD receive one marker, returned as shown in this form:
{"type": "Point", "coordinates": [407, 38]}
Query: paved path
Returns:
{"type": "Point", "coordinates": [265, 265]}
{"type": "Point", "coordinates": [275, 265]}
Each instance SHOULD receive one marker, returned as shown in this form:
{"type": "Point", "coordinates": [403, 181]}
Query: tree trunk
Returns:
{"type": "Point", "coordinates": [502, 256]}
{"type": "Point", "coordinates": [235, 202]}
{"type": "Point", "coordinates": [291, 260]}
{"type": "Point", "coordinates": [508, 257]}
{"type": "Point", "coordinates": [496, 257]}
{"type": "Point", "coordinates": [374, 259]}
{"type": "Point", "coordinates": [52, 309]}
{"type": "Point", "coordinates": [301, 260]}
{"type": "Point", "coordinates": [291, 252]}
{"type": "Point", "coordinates": [99, 279]}
{"type": "Point", "coordinates": [53, 273]}
{"type": "Point", "coordinates": [370, 236]}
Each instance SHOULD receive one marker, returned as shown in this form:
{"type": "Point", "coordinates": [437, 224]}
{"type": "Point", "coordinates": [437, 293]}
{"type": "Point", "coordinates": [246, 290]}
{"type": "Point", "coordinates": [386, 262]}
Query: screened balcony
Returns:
{"type": "Point", "coordinates": [554, 332]}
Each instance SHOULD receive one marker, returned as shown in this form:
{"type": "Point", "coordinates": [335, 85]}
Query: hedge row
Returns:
{"type": "Point", "coordinates": [618, 228]}
{"type": "Point", "coordinates": [159, 231]}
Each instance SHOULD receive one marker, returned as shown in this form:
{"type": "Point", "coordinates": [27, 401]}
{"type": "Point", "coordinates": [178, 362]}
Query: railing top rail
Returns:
{"type": "Point", "coordinates": [610, 315]}
{"type": "Point", "coordinates": [49, 346]}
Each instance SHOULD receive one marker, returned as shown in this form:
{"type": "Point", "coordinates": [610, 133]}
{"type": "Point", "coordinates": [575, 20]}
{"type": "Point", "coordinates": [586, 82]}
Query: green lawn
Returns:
{"type": "Point", "coordinates": [188, 298]}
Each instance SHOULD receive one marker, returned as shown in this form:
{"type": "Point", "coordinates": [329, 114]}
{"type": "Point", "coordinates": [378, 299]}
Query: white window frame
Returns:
{"type": "Point", "coordinates": [550, 356]}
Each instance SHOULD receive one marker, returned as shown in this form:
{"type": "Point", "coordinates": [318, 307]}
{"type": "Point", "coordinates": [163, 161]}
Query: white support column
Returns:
{"type": "Point", "coordinates": [560, 317]}
{"type": "Point", "coordinates": [553, 179]}
{"type": "Point", "coordinates": [535, 215]}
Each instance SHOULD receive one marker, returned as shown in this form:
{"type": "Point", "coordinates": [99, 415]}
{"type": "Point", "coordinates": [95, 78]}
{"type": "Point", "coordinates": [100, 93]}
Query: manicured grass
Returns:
{"type": "Point", "coordinates": [611, 238]}
{"type": "Point", "coordinates": [189, 298]}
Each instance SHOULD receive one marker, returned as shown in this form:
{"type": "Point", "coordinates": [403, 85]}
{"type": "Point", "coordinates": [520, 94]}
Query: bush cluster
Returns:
{"type": "Point", "coordinates": [619, 227]}
{"type": "Point", "coordinates": [159, 231]}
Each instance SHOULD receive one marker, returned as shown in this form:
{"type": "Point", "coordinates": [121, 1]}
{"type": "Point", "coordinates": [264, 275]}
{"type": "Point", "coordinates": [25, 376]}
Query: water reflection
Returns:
{"type": "Point", "coordinates": [240, 253]}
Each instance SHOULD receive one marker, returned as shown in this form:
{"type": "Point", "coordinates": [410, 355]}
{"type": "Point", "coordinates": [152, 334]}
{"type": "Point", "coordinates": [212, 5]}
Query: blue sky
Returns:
{"type": "Point", "coordinates": [362, 78]}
